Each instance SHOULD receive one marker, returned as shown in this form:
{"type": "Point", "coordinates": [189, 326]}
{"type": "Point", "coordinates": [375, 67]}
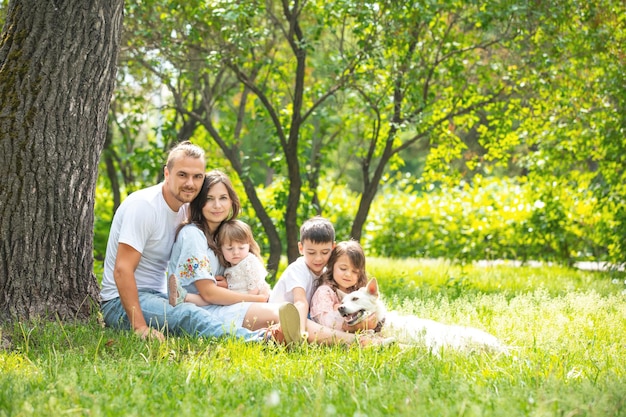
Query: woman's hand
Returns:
{"type": "Point", "coordinates": [221, 281]}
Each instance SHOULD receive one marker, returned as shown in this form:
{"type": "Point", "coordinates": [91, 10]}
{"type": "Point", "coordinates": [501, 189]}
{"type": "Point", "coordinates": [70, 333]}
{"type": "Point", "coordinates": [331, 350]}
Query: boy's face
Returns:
{"type": "Point", "coordinates": [316, 255]}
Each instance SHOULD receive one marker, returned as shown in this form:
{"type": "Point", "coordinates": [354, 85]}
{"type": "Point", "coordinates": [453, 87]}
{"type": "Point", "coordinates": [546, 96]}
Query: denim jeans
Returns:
{"type": "Point", "coordinates": [185, 318]}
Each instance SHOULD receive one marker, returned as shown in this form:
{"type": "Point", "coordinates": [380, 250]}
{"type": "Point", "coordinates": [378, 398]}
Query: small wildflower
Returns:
{"type": "Point", "coordinates": [273, 399]}
{"type": "Point", "coordinates": [331, 410]}
{"type": "Point", "coordinates": [574, 373]}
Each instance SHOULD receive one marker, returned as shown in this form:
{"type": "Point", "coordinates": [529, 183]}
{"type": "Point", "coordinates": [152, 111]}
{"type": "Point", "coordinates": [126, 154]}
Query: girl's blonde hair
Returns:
{"type": "Point", "coordinates": [355, 253]}
{"type": "Point", "coordinates": [235, 231]}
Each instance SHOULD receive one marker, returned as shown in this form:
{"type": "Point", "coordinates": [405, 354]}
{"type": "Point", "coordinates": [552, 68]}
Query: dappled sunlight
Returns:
{"type": "Point", "coordinates": [18, 365]}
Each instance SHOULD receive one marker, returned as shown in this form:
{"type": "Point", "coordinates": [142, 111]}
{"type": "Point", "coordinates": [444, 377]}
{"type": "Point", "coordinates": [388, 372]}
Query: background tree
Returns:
{"type": "Point", "coordinates": [242, 71]}
{"type": "Point", "coordinates": [57, 72]}
{"type": "Point", "coordinates": [572, 128]}
{"type": "Point", "coordinates": [302, 96]}
{"type": "Point", "coordinates": [433, 70]}
{"type": "Point", "coordinates": [262, 79]}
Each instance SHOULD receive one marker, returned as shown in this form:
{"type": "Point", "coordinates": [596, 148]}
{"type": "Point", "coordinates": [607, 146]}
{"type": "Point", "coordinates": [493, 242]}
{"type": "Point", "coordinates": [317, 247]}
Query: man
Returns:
{"type": "Point", "coordinates": [134, 292]}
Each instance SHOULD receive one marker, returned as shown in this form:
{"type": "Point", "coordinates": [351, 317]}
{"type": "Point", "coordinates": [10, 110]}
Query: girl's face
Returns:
{"type": "Point", "coordinates": [344, 273]}
{"type": "Point", "coordinates": [217, 207]}
{"type": "Point", "coordinates": [234, 252]}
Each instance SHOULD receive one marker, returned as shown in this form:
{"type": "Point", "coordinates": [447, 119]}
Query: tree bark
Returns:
{"type": "Point", "coordinates": [57, 74]}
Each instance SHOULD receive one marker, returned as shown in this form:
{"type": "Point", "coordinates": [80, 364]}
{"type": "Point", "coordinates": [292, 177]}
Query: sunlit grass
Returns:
{"type": "Point", "coordinates": [567, 329]}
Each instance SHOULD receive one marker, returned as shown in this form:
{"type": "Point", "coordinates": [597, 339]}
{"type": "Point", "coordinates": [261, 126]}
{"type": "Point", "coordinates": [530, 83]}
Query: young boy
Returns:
{"type": "Point", "coordinates": [296, 284]}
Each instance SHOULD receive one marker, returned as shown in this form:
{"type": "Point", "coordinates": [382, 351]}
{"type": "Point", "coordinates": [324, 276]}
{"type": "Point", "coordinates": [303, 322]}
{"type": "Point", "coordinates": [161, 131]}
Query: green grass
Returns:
{"type": "Point", "coordinates": [568, 329]}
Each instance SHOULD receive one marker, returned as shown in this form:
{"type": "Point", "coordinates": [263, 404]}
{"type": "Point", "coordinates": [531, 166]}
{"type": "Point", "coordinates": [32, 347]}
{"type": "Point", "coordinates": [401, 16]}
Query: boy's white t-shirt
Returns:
{"type": "Point", "coordinates": [296, 275]}
{"type": "Point", "coordinates": [145, 222]}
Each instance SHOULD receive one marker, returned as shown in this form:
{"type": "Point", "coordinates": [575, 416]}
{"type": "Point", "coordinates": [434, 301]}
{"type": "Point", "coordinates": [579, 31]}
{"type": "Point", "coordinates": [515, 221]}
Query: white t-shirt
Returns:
{"type": "Point", "coordinates": [145, 222]}
{"type": "Point", "coordinates": [296, 275]}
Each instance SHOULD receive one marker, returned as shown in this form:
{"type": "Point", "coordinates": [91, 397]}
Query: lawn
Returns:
{"type": "Point", "coordinates": [567, 329]}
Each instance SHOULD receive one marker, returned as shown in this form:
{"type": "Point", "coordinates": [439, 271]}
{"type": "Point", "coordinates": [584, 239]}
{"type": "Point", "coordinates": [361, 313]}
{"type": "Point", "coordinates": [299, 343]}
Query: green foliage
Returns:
{"type": "Point", "coordinates": [448, 92]}
{"type": "Point", "coordinates": [488, 220]}
{"type": "Point", "coordinates": [566, 327]}
{"type": "Point", "coordinates": [102, 226]}
{"type": "Point", "coordinates": [491, 219]}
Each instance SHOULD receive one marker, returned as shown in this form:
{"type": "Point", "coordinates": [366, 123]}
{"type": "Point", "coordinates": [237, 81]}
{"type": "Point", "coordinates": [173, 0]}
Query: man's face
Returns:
{"type": "Point", "coordinates": [184, 181]}
{"type": "Point", "coordinates": [316, 255]}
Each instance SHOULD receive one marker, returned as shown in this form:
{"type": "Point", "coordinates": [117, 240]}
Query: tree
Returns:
{"type": "Point", "coordinates": [578, 143]}
{"type": "Point", "coordinates": [283, 85]}
{"type": "Point", "coordinates": [432, 70]}
{"type": "Point", "coordinates": [57, 72]}
{"type": "Point", "coordinates": [286, 89]}
{"type": "Point", "coordinates": [241, 70]}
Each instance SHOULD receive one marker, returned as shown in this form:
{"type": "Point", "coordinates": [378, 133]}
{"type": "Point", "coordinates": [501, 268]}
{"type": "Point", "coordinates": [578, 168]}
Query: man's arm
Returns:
{"type": "Point", "coordinates": [124, 273]}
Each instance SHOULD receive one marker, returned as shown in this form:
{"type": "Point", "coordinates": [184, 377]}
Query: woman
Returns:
{"type": "Point", "coordinates": [195, 264]}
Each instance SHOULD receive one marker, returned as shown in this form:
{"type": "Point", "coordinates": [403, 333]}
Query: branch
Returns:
{"type": "Point", "coordinates": [241, 76]}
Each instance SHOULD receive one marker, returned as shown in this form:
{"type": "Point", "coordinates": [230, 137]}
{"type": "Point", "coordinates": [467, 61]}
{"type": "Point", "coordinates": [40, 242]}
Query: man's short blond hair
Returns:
{"type": "Point", "coordinates": [184, 149]}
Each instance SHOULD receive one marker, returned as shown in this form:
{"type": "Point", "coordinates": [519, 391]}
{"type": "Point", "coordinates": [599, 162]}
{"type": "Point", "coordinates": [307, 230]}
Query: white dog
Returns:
{"type": "Point", "coordinates": [361, 304]}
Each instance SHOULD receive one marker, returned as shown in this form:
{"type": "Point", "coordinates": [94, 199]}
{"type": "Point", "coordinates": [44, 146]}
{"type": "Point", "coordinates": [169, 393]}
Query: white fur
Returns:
{"type": "Point", "coordinates": [407, 329]}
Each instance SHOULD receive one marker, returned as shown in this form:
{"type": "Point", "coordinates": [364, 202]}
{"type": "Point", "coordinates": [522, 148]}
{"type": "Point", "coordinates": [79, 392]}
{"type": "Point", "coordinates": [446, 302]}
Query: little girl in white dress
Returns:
{"type": "Point", "coordinates": [244, 271]}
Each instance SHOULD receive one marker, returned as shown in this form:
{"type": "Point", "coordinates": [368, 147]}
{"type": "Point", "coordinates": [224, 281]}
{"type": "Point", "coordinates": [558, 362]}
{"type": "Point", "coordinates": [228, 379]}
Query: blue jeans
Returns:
{"type": "Point", "coordinates": [184, 319]}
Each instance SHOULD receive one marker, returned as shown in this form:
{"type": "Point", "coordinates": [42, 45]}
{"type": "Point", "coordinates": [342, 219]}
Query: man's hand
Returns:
{"type": "Point", "coordinates": [149, 333]}
{"type": "Point", "coordinates": [221, 281]}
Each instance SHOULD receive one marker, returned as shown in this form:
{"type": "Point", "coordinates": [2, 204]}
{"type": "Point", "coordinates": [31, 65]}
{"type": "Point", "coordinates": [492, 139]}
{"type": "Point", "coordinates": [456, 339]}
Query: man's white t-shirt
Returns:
{"type": "Point", "coordinates": [145, 222]}
{"type": "Point", "coordinates": [296, 275]}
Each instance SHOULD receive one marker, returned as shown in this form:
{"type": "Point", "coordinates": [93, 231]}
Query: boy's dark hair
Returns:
{"type": "Point", "coordinates": [317, 230]}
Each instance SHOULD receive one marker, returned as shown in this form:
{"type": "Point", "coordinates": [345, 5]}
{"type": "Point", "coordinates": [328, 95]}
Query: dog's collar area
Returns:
{"type": "Point", "coordinates": [379, 326]}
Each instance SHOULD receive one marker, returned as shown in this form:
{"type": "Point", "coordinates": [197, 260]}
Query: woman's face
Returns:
{"type": "Point", "coordinates": [217, 207]}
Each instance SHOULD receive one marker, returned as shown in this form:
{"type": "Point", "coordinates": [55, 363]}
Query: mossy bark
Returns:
{"type": "Point", "coordinates": [57, 74]}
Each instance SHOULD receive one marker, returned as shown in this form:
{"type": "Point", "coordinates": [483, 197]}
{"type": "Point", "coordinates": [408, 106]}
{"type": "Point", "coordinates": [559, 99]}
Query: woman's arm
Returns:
{"type": "Point", "coordinates": [214, 294]}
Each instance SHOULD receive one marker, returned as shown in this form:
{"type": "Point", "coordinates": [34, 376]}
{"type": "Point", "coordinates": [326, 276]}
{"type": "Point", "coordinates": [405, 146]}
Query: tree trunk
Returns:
{"type": "Point", "coordinates": [57, 73]}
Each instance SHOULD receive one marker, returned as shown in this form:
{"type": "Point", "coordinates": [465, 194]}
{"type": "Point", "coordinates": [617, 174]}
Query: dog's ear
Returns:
{"type": "Point", "coordinates": [372, 287]}
{"type": "Point", "coordinates": [341, 294]}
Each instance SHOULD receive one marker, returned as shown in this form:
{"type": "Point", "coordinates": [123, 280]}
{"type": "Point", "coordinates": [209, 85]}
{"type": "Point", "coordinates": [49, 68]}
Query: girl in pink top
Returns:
{"type": "Point", "coordinates": [345, 271]}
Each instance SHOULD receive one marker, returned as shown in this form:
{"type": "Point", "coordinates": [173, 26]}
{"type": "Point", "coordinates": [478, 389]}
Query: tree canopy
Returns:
{"type": "Point", "coordinates": [297, 95]}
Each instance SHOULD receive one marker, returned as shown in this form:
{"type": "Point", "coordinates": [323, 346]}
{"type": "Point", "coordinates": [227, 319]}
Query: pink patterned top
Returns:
{"type": "Point", "coordinates": [324, 305]}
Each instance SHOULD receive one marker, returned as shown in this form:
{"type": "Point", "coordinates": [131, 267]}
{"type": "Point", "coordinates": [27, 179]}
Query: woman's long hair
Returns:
{"type": "Point", "coordinates": [196, 217]}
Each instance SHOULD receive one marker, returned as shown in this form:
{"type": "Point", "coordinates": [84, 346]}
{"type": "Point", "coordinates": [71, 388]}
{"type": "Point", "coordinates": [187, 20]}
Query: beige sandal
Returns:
{"type": "Point", "coordinates": [175, 292]}
{"type": "Point", "coordinates": [289, 317]}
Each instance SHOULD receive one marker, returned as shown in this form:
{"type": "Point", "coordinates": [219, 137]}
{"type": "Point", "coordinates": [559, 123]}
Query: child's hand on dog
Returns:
{"type": "Point", "coordinates": [368, 324]}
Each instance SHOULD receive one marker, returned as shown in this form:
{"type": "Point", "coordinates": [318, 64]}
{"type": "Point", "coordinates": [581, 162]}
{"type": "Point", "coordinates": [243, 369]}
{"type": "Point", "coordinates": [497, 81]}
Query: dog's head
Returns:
{"type": "Point", "coordinates": [361, 304]}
